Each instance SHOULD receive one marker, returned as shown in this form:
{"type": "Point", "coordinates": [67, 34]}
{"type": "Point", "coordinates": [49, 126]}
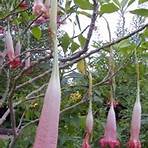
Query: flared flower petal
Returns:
{"type": "Point", "coordinates": [110, 136]}
{"type": "Point", "coordinates": [134, 144]}
{"type": "Point", "coordinates": [85, 143]}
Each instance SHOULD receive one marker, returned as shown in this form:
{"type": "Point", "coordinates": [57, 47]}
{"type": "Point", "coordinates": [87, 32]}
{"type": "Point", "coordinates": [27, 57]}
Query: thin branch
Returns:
{"type": "Point", "coordinates": [90, 31]}
{"type": "Point", "coordinates": [32, 23]}
{"type": "Point", "coordinates": [62, 66]}
{"type": "Point", "coordinates": [36, 91]}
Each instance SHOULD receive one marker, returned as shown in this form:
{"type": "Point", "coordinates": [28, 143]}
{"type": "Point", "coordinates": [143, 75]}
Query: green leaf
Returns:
{"type": "Point", "coordinates": [108, 8]}
{"type": "Point", "coordinates": [36, 32]}
{"type": "Point", "coordinates": [82, 40]}
{"type": "Point", "coordinates": [123, 3]}
{"type": "Point", "coordinates": [142, 12]}
{"type": "Point", "coordinates": [81, 66]}
{"type": "Point", "coordinates": [84, 4]}
{"type": "Point", "coordinates": [84, 13]}
{"type": "Point", "coordinates": [74, 46]}
{"type": "Point", "coordinates": [65, 41]}
{"type": "Point", "coordinates": [142, 1]}
{"type": "Point", "coordinates": [145, 33]}
{"type": "Point", "coordinates": [130, 2]}
{"type": "Point", "coordinates": [117, 2]}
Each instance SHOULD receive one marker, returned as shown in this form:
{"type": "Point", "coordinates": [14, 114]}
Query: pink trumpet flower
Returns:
{"type": "Point", "coordinates": [134, 141]}
{"type": "Point", "coordinates": [14, 62]}
{"type": "Point", "coordinates": [47, 131]}
{"type": "Point", "coordinates": [89, 128]}
{"type": "Point", "coordinates": [110, 136]}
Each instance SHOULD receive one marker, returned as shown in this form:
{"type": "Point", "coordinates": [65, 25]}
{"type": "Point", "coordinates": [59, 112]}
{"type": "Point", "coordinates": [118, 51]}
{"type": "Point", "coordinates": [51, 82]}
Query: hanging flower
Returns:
{"type": "Point", "coordinates": [14, 62]}
{"type": "Point", "coordinates": [110, 136]}
{"type": "Point", "coordinates": [47, 131]}
{"type": "Point", "coordinates": [134, 141]}
{"type": "Point", "coordinates": [89, 128]}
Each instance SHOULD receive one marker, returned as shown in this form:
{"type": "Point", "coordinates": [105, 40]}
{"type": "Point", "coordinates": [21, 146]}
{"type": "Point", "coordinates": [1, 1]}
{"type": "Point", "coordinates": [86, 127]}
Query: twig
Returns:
{"type": "Point", "coordinates": [32, 23]}
{"type": "Point", "coordinates": [90, 31]}
{"type": "Point", "coordinates": [62, 66]}
{"type": "Point", "coordinates": [81, 32]}
{"type": "Point", "coordinates": [36, 91]}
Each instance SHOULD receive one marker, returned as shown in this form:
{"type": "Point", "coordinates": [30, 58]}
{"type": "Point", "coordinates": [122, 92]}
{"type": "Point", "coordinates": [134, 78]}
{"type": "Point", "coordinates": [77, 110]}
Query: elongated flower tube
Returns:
{"type": "Point", "coordinates": [47, 131]}
{"type": "Point", "coordinates": [18, 50]}
{"type": "Point", "coordinates": [134, 141]}
{"type": "Point", "coordinates": [110, 136]}
{"type": "Point", "coordinates": [9, 46]}
{"type": "Point", "coordinates": [27, 61]}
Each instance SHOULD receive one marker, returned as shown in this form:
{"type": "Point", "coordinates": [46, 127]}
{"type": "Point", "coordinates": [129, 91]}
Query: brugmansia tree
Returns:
{"type": "Point", "coordinates": [63, 88]}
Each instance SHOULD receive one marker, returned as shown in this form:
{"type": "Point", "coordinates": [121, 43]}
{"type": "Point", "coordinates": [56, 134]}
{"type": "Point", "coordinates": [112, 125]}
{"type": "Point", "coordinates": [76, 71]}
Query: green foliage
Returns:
{"type": "Point", "coordinates": [108, 8]}
{"type": "Point", "coordinates": [142, 12]}
{"type": "Point", "coordinates": [84, 4]}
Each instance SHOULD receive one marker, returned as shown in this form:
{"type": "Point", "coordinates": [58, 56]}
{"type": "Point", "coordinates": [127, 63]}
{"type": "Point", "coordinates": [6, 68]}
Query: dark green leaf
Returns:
{"type": "Point", "coordinates": [142, 12]}
{"type": "Point", "coordinates": [142, 1]}
{"type": "Point", "coordinates": [108, 8]}
{"type": "Point", "coordinates": [84, 4]}
{"type": "Point", "coordinates": [82, 40]}
{"type": "Point", "coordinates": [65, 41]}
{"type": "Point", "coordinates": [74, 46]}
